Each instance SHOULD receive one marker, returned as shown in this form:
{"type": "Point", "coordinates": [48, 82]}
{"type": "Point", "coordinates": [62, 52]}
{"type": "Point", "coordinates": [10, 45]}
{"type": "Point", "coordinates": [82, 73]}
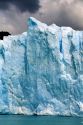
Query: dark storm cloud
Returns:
{"type": "Point", "coordinates": [23, 5]}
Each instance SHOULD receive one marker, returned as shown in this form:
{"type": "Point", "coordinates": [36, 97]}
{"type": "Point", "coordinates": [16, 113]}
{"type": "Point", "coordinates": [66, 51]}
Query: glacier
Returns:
{"type": "Point", "coordinates": [41, 71]}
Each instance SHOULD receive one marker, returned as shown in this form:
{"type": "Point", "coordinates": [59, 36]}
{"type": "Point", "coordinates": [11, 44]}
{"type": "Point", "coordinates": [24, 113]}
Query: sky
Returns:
{"type": "Point", "coordinates": [15, 13]}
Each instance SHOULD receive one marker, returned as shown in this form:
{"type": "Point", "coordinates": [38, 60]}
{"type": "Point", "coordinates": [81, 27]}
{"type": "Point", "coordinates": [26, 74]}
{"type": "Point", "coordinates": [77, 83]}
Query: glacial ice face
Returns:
{"type": "Point", "coordinates": [41, 71]}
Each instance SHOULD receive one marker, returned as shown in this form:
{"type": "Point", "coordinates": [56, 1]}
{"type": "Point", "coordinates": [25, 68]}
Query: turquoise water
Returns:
{"type": "Point", "coordinates": [39, 120]}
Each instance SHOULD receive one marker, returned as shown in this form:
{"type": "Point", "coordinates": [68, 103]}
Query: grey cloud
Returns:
{"type": "Point", "coordinates": [63, 13]}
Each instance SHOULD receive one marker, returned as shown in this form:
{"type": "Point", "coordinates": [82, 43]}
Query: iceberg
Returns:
{"type": "Point", "coordinates": [41, 71]}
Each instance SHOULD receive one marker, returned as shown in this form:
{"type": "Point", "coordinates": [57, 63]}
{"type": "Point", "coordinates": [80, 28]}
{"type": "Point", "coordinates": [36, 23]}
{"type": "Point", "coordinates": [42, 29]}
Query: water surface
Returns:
{"type": "Point", "coordinates": [39, 120]}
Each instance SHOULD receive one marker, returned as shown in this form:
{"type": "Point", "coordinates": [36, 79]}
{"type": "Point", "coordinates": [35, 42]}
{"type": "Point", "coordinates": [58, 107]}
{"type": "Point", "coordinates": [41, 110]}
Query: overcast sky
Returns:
{"type": "Point", "coordinates": [14, 13]}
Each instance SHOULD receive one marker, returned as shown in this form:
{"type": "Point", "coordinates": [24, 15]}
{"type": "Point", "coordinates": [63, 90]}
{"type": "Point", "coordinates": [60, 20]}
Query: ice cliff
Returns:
{"type": "Point", "coordinates": [41, 71]}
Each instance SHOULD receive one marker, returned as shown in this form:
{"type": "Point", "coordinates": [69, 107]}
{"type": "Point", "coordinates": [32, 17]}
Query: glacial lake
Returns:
{"type": "Point", "coordinates": [39, 120]}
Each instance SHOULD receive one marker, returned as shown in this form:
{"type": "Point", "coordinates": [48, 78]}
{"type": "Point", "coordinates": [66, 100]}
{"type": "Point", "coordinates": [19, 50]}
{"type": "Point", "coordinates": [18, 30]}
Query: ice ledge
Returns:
{"type": "Point", "coordinates": [34, 23]}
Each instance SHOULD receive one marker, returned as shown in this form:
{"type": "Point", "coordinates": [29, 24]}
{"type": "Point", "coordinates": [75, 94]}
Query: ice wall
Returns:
{"type": "Point", "coordinates": [41, 71]}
